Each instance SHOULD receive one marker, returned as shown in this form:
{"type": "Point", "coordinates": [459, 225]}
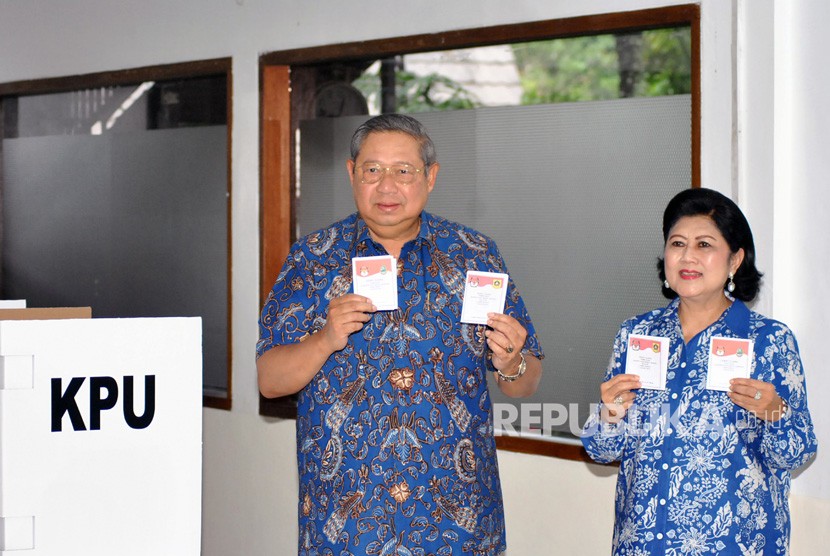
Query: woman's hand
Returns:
{"type": "Point", "coordinates": [617, 396]}
{"type": "Point", "coordinates": [758, 397]}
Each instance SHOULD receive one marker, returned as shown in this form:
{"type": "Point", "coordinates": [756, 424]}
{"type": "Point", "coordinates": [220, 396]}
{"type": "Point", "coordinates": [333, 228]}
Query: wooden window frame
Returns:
{"type": "Point", "coordinates": [134, 76]}
{"type": "Point", "coordinates": [282, 108]}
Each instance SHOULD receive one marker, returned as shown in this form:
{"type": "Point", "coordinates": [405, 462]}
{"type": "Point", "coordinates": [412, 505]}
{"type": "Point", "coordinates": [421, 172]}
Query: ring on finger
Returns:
{"type": "Point", "coordinates": [509, 349]}
{"type": "Point", "coordinates": [757, 395]}
{"type": "Point", "coordinates": [618, 400]}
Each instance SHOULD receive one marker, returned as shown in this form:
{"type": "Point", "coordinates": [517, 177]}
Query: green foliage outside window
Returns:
{"type": "Point", "coordinates": [431, 93]}
{"type": "Point", "coordinates": [588, 68]}
{"type": "Point", "coordinates": [599, 67]}
{"type": "Point", "coordinates": [420, 93]}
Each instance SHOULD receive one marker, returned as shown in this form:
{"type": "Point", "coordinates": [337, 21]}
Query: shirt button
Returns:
{"type": "Point", "coordinates": [669, 431]}
{"type": "Point", "coordinates": [665, 466]}
{"type": "Point", "coordinates": [662, 501]}
{"type": "Point", "coordinates": [659, 535]}
{"type": "Point", "coordinates": [674, 396]}
{"type": "Point", "coordinates": [683, 365]}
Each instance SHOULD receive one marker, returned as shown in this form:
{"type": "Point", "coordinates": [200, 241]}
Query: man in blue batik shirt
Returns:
{"type": "Point", "coordinates": [395, 446]}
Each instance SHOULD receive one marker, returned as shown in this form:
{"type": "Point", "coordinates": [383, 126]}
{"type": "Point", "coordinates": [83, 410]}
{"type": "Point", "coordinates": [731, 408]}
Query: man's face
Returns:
{"type": "Point", "coordinates": [391, 208]}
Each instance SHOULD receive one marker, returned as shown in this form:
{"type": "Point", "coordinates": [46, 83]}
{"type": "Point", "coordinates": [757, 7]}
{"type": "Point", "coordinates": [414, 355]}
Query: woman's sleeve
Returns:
{"type": "Point", "coordinates": [789, 442]}
{"type": "Point", "coordinates": [603, 441]}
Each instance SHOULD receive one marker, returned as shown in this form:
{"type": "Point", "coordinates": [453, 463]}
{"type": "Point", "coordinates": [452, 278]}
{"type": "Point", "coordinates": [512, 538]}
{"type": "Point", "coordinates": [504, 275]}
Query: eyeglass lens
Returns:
{"type": "Point", "coordinates": [401, 173]}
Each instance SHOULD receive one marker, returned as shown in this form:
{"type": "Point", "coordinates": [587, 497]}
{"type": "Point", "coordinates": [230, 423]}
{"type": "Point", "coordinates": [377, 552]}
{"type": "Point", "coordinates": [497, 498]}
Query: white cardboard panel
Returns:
{"type": "Point", "coordinates": [114, 489]}
{"type": "Point", "coordinates": [17, 533]}
{"type": "Point", "coordinates": [16, 372]}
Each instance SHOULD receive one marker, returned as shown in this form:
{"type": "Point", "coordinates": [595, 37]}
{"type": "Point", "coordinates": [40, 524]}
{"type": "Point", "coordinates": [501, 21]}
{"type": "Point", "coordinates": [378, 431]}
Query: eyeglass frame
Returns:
{"type": "Point", "coordinates": [388, 170]}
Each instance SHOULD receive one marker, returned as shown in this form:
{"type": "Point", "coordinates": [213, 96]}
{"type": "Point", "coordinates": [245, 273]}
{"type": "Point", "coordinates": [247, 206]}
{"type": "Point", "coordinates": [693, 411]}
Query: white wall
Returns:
{"type": "Point", "coordinates": [801, 206]}
{"type": "Point", "coordinates": [249, 464]}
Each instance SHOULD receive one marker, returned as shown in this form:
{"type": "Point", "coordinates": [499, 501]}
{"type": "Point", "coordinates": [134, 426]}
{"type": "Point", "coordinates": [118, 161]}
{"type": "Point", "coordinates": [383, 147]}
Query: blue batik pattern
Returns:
{"type": "Point", "coordinates": [395, 445]}
{"type": "Point", "coordinates": [699, 475]}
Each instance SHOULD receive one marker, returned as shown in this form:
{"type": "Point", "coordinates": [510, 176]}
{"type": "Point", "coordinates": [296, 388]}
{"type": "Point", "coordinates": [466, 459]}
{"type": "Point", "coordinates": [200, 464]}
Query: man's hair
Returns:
{"type": "Point", "coordinates": [395, 123]}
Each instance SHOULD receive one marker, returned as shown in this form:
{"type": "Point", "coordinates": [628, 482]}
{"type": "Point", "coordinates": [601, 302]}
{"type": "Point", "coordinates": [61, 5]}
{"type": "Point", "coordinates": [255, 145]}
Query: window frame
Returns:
{"type": "Point", "coordinates": [133, 76]}
{"type": "Point", "coordinates": [284, 86]}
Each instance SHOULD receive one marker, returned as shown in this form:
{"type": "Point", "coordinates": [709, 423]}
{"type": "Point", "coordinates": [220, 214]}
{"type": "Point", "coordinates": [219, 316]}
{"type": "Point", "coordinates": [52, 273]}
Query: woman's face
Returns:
{"type": "Point", "coordinates": [698, 259]}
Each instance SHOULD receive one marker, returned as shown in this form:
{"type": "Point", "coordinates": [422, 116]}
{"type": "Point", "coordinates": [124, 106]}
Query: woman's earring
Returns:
{"type": "Point", "coordinates": [666, 284]}
{"type": "Point", "coordinates": [730, 286]}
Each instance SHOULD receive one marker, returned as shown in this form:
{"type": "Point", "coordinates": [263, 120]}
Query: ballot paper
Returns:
{"type": "Point", "coordinates": [484, 292]}
{"type": "Point", "coordinates": [648, 357]}
{"type": "Point", "coordinates": [376, 278]}
{"type": "Point", "coordinates": [728, 358]}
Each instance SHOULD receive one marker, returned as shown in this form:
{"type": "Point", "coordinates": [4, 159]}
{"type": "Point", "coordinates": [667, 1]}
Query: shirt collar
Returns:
{"type": "Point", "coordinates": [361, 231]}
{"type": "Point", "coordinates": [736, 317]}
{"type": "Point", "coordinates": [362, 235]}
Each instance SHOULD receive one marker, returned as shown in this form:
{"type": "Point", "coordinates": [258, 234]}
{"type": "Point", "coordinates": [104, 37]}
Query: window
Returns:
{"type": "Point", "coordinates": [313, 70]}
{"type": "Point", "coordinates": [116, 196]}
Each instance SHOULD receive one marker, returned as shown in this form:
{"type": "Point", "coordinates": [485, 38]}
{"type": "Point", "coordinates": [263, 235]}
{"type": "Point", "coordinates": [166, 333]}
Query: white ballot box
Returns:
{"type": "Point", "coordinates": [100, 437]}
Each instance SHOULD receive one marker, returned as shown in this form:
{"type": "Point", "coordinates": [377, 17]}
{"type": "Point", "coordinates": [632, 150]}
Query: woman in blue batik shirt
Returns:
{"type": "Point", "coordinates": [704, 468]}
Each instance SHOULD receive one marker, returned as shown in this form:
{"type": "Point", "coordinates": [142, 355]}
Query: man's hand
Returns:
{"type": "Point", "coordinates": [286, 369]}
{"type": "Point", "coordinates": [506, 340]}
{"type": "Point", "coordinates": [347, 314]}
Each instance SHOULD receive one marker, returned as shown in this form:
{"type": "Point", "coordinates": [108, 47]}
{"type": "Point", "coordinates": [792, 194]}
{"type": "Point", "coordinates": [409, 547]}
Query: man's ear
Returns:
{"type": "Point", "coordinates": [432, 175]}
{"type": "Point", "coordinates": [350, 170]}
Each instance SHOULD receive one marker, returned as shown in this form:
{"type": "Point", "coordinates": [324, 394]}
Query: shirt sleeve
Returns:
{"type": "Point", "coordinates": [789, 442]}
{"type": "Point", "coordinates": [603, 441]}
{"type": "Point", "coordinates": [289, 312]}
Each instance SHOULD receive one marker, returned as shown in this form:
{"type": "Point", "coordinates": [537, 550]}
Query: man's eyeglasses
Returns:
{"type": "Point", "coordinates": [372, 172]}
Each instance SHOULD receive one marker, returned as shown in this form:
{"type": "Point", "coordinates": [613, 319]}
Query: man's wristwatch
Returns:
{"type": "Point", "coordinates": [519, 372]}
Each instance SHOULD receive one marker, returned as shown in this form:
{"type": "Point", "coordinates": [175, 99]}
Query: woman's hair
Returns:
{"type": "Point", "coordinates": [731, 223]}
{"type": "Point", "coordinates": [399, 123]}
